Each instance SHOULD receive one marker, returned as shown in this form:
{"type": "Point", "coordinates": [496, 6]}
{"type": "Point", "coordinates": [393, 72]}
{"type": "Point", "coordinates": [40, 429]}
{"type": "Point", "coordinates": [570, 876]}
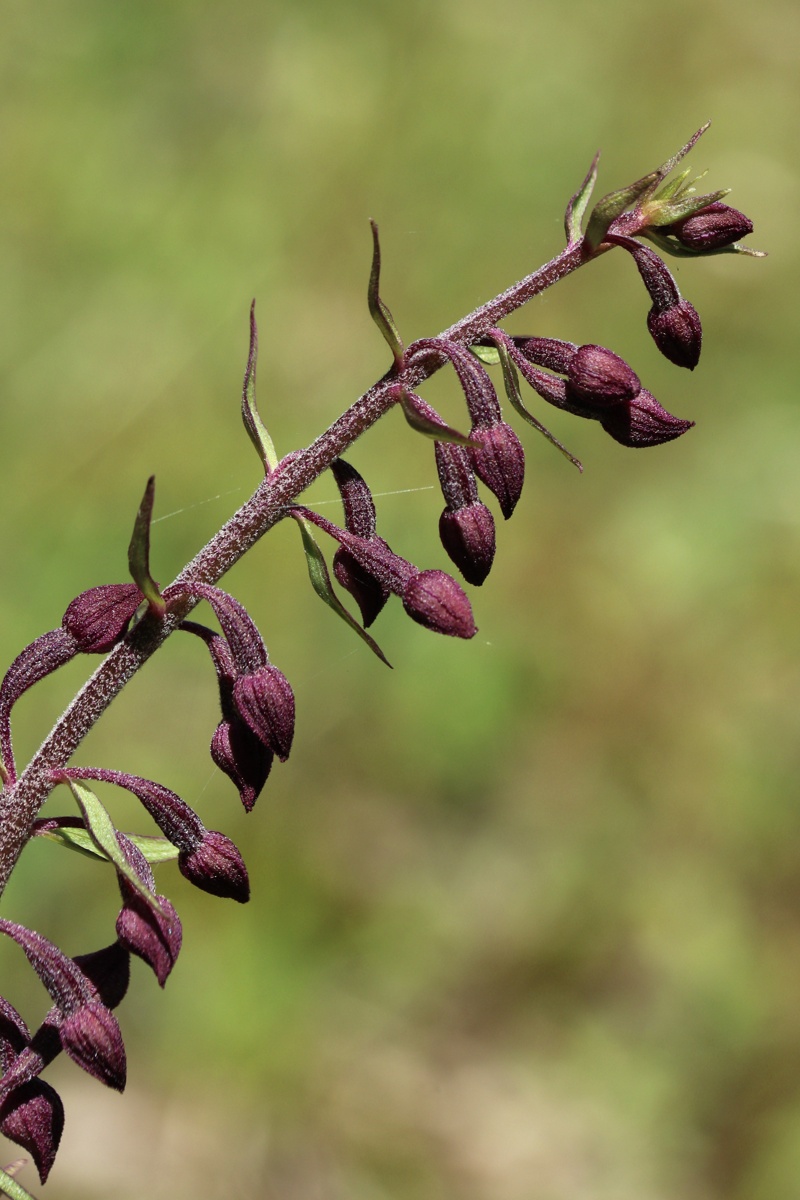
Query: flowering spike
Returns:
{"type": "Point", "coordinates": [256, 429]}
{"type": "Point", "coordinates": [378, 310]}
{"type": "Point", "coordinates": [139, 552]}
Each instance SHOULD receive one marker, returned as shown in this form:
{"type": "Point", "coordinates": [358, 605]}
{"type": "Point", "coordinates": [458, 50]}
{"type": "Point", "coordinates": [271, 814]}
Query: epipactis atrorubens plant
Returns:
{"type": "Point", "coordinates": [128, 622]}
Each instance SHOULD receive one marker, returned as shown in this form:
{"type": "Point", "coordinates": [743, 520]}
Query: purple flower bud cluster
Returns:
{"type": "Point", "coordinates": [257, 706]}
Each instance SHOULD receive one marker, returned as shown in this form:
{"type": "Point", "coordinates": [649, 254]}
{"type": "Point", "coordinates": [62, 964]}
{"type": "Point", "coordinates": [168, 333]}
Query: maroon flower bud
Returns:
{"type": "Point", "coordinates": [265, 701]}
{"type": "Point", "coordinates": [38, 660]}
{"type": "Point", "coordinates": [678, 333]}
{"type": "Point", "coordinates": [154, 934]}
{"type": "Point", "coordinates": [32, 1115]}
{"type": "Point", "coordinates": [243, 758]}
{"type": "Point", "coordinates": [92, 1039]}
{"type": "Point", "coordinates": [217, 867]}
{"type": "Point", "coordinates": [711, 228]}
{"type": "Point", "coordinates": [500, 463]}
{"type": "Point", "coordinates": [155, 937]}
{"type": "Point", "coordinates": [435, 600]}
{"type": "Point", "coordinates": [359, 507]}
{"type": "Point", "coordinates": [597, 377]}
{"type": "Point", "coordinates": [643, 422]}
{"type": "Point", "coordinates": [551, 353]}
{"type": "Point", "coordinates": [468, 536]}
{"type": "Point", "coordinates": [99, 617]}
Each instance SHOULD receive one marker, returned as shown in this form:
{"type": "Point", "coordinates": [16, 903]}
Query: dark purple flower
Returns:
{"type": "Point", "coordinates": [643, 422]}
{"type": "Point", "coordinates": [711, 228]}
{"type": "Point", "coordinates": [32, 1115]}
{"type": "Point", "coordinates": [468, 536]}
{"type": "Point", "coordinates": [500, 463]}
{"type": "Point", "coordinates": [99, 617]}
{"type": "Point", "coordinates": [265, 701]}
{"type": "Point", "coordinates": [243, 758]}
{"type": "Point", "coordinates": [217, 867]}
{"type": "Point", "coordinates": [151, 931]}
{"type": "Point", "coordinates": [598, 377]}
{"type": "Point", "coordinates": [92, 1039]}
{"type": "Point", "coordinates": [435, 600]}
{"type": "Point", "coordinates": [677, 332]}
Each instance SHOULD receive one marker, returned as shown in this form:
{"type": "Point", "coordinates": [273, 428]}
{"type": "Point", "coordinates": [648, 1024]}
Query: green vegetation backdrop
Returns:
{"type": "Point", "coordinates": [526, 911]}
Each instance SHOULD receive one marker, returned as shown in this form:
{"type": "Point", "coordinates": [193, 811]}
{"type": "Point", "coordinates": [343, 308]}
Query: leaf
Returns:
{"type": "Point", "coordinates": [488, 355]}
{"type": "Point", "coordinates": [511, 381]}
{"type": "Point", "coordinates": [573, 217]}
{"type": "Point", "coordinates": [155, 849]}
{"type": "Point", "coordinates": [256, 429]}
{"type": "Point", "coordinates": [378, 310]}
{"type": "Point", "coordinates": [139, 551]}
{"type": "Point", "coordinates": [104, 835]}
{"type": "Point", "coordinates": [321, 583]}
{"type": "Point", "coordinates": [9, 1187]}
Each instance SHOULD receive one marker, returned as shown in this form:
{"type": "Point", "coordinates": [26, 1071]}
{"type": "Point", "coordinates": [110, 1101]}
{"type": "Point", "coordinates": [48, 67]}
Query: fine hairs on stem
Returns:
{"type": "Point", "coordinates": [660, 213]}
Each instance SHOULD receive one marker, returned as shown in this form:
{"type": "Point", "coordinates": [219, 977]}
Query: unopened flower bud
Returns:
{"type": "Point", "coordinates": [32, 1115]}
{"type": "Point", "coordinates": [711, 228]}
{"type": "Point", "coordinates": [435, 600]}
{"type": "Point", "coordinates": [596, 377]}
{"type": "Point", "coordinates": [99, 617]}
{"type": "Point", "coordinates": [677, 332]}
{"type": "Point", "coordinates": [217, 867]}
{"type": "Point", "coordinates": [92, 1039]}
{"type": "Point", "coordinates": [265, 701]}
{"type": "Point", "coordinates": [243, 758]}
{"type": "Point", "coordinates": [468, 536]}
{"type": "Point", "coordinates": [643, 422]}
{"type": "Point", "coordinates": [500, 463]}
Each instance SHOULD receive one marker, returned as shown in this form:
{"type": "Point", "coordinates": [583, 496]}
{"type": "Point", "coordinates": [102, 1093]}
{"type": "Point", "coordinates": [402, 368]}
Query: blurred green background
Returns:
{"type": "Point", "coordinates": [526, 911]}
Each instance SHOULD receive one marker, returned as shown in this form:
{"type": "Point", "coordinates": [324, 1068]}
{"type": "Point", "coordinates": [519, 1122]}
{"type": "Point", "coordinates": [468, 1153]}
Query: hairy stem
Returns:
{"type": "Point", "coordinates": [20, 802]}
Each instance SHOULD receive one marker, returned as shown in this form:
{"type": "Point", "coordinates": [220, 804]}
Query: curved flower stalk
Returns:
{"type": "Point", "coordinates": [129, 621]}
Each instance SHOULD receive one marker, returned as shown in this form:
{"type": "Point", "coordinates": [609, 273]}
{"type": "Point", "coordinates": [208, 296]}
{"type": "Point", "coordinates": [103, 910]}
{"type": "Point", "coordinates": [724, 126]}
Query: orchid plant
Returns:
{"type": "Point", "coordinates": [128, 622]}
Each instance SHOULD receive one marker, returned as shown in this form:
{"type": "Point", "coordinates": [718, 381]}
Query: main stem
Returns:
{"type": "Point", "coordinates": [21, 801]}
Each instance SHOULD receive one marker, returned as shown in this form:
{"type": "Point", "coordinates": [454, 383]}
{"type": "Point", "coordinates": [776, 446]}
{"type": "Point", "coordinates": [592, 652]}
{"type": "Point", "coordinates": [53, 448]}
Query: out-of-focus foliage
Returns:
{"type": "Point", "coordinates": [526, 911]}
